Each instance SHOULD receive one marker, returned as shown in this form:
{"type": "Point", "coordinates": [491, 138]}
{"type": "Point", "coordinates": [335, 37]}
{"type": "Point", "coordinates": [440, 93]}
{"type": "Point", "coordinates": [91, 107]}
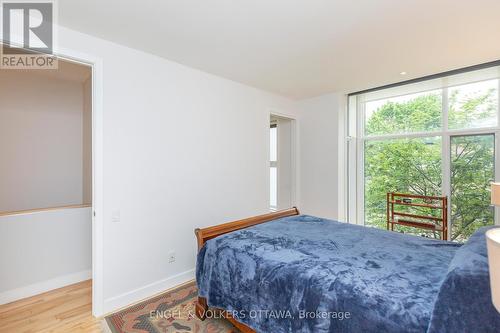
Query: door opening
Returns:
{"type": "Point", "coordinates": [46, 198]}
{"type": "Point", "coordinates": [281, 163]}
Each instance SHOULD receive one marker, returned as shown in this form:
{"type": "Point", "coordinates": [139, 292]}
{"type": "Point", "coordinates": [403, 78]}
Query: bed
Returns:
{"type": "Point", "coordinates": [285, 272]}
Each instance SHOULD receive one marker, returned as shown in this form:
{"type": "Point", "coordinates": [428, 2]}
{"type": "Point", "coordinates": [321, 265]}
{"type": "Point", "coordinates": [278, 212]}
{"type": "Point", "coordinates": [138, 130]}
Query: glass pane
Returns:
{"type": "Point", "coordinates": [404, 165]}
{"type": "Point", "coordinates": [273, 187]}
{"type": "Point", "coordinates": [273, 144]}
{"type": "Point", "coordinates": [473, 105]}
{"type": "Point", "coordinates": [420, 112]}
{"type": "Point", "coordinates": [472, 170]}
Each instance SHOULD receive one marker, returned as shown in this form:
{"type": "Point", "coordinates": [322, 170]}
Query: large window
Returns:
{"type": "Point", "coordinates": [434, 137]}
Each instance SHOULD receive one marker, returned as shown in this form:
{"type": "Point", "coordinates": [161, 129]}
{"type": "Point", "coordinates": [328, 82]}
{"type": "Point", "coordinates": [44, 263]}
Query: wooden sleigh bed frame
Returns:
{"type": "Point", "coordinates": [205, 234]}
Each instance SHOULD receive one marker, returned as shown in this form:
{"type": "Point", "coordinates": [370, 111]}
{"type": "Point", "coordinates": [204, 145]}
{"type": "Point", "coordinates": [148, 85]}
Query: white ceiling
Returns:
{"type": "Point", "coordinates": [300, 48]}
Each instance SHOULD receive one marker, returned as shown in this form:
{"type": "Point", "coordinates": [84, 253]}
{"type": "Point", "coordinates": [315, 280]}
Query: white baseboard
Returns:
{"type": "Point", "coordinates": [44, 286]}
{"type": "Point", "coordinates": [105, 327]}
{"type": "Point", "coordinates": [115, 303]}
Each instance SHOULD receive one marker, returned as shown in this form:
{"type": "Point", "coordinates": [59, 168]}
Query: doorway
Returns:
{"type": "Point", "coordinates": [46, 120]}
{"type": "Point", "coordinates": [281, 162]}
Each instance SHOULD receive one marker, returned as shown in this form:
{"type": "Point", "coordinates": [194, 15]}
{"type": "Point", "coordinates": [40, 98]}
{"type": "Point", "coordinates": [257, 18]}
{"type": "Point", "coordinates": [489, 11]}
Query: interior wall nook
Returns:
{"type": "Point", "coordinates": [46, 149]}
{"type": "Point", "coordinates": [45, 138]}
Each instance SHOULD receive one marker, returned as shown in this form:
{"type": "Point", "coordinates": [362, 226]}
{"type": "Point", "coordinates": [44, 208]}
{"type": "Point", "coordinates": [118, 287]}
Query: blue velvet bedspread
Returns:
{"type": "Point", "coordinates": [308, 274]}
{"type": "Point", "coordinates": [464, 302]}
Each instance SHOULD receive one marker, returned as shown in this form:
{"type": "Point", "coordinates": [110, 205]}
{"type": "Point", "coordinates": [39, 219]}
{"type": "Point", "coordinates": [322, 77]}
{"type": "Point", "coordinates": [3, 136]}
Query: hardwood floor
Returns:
{"type": "Point", "coordinates": [67, 310]}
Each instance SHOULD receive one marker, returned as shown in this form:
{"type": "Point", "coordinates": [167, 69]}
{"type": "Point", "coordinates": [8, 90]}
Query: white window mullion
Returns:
{"type": "Point", "coordinates": [446, 157]}
{"type": "Point", "coordinates": [360, 148]}
{"type": "Point", "coordinates": [360, 214]}
{"type": "Point", "coordinates": [497, 154]}
{"type": "Point", "coordinates": [497, 172]}
{"type": "Point", "coordinates": [352, 163]}
{"type": "Point", "coordinates": [473, 131]}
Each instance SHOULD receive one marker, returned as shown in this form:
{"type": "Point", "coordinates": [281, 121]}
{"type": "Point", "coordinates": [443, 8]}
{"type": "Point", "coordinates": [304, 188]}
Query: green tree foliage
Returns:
{"type": "Point", "coordinates": [417, 115]}
{"type": "Point", "coordinates": [472, 169]}
{"type": "Point", "coordinates": [414, 165]}
{"type": "Point", "coordinates": [467, 111]}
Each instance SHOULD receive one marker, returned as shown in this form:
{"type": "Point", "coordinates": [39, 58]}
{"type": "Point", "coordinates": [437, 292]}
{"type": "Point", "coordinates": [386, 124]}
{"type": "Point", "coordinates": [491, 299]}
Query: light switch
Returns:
{"type": "Point", "coordinates": [115, 217]}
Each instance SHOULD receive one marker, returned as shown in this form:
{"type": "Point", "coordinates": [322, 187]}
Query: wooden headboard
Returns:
{"type": "Point", "coordinates": [211, 232]}
{"type": "Point", "coordinates": [203, 235]}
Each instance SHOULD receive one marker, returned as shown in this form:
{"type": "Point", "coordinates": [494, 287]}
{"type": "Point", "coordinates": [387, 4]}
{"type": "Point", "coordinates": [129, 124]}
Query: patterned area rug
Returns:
{"type": "Point", "coordinates": [172, 312]}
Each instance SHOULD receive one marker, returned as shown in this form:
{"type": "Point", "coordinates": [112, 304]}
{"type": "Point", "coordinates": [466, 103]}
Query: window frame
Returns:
{"type": "Point", "coordinates": [356, 139]}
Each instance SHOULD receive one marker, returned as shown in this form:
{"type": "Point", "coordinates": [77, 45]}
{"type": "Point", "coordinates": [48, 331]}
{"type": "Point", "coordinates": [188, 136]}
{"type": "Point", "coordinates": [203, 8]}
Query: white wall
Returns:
{"type": "Point", "coordinates": [42, 251]}
{"type": "Point", "coordinates": [321, 149]}
{"type": "Point", "coordinates": [182, 149]}
{"type": "Point", "coordinates": [87, 142]}
{"type": "Point", "coordinates": [40, 141]}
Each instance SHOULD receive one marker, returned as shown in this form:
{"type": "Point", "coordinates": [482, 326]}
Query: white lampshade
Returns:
{"type": "Point", "coordinates": [495, 194]}
{"type": "Point", "coordinates": [493, 244]}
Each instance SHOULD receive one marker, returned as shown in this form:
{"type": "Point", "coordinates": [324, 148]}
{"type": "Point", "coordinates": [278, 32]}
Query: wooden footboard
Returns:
{"type": "Point", "coordinates": [205, 234]}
